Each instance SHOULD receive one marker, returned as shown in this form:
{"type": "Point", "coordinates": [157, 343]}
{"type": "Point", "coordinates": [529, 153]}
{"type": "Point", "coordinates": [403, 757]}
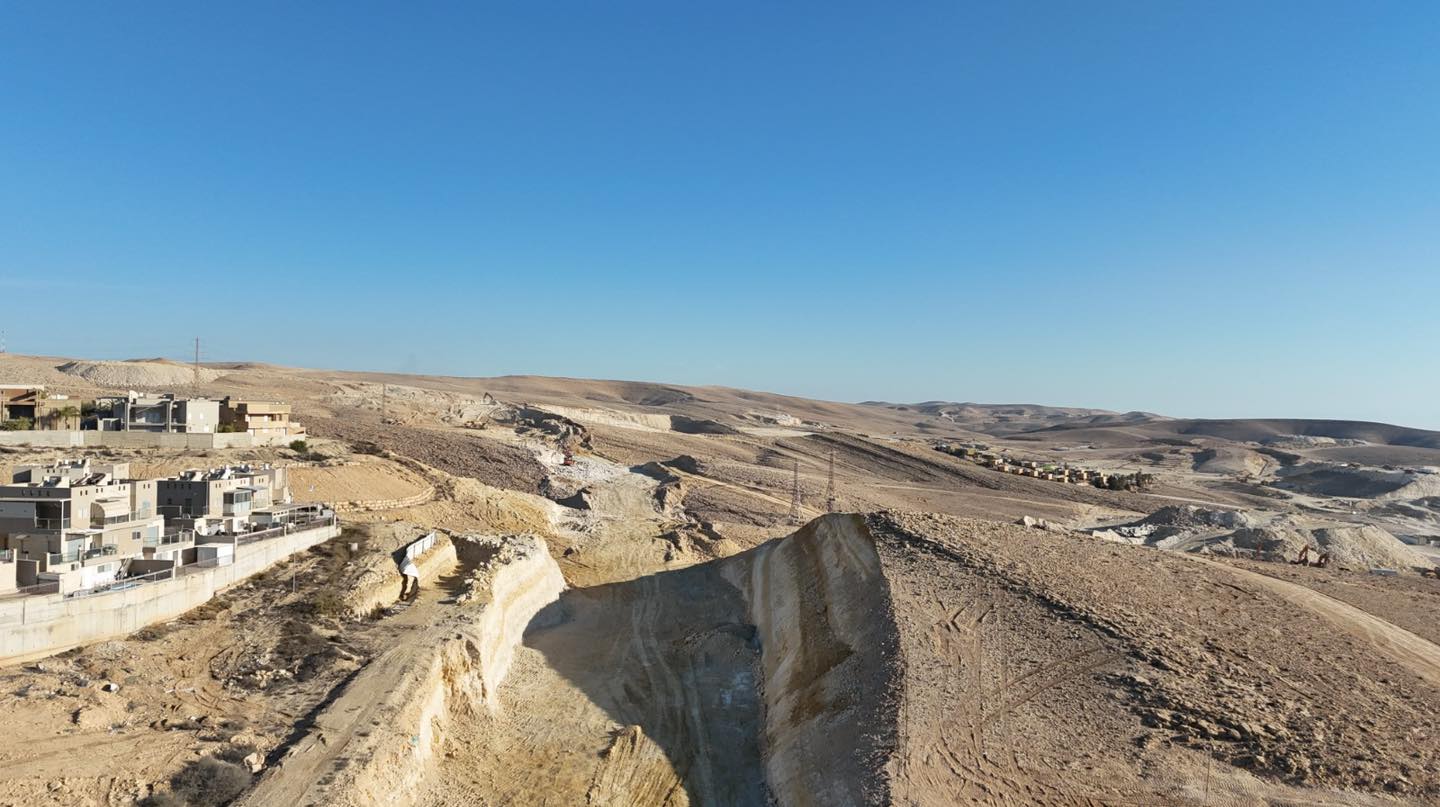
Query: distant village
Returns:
{"type": "Point", "coordinates": [30, 408]}
{"type": "Point", "coordinates": [1050, 472]}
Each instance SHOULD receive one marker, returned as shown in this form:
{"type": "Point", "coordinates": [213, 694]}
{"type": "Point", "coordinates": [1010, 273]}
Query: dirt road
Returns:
{"type": "Point", "coordinates": [365, 702]}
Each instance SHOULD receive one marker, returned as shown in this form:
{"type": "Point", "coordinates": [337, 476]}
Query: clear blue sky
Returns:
{"type": "Point", "coordinates": [1202, 209]}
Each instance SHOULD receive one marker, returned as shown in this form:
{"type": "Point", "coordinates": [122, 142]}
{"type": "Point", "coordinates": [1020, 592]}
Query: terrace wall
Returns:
{"type": "Point", "coordinates": [36, 626]}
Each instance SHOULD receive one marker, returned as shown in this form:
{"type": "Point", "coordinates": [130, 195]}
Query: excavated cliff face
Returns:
{"type": "Point", "coordinates": [768, 678]}
{"type": "Point", "coordinates": [830, 662]}
{"type": "Point", "coordinates": [513, 578]}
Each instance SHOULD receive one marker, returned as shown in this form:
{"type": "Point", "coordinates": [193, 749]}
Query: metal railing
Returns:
{"type": "Point", "coordinates": [82, 554]}
{"type": "Point", "coordinates": [420, 546]}
{"type": "Point", "coordinates": [125, 583]}
{"type": "Point", "coordinates": [176, 537]}
{"type": "Point", "coordinates": [284, 529]}
{"type": "Point", "coordinates": [108, 520]}
{"type": "Point", "coordinates": [122, 583]}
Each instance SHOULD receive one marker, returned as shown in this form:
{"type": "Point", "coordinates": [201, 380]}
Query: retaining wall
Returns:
{"type": "Point", "coordinates": [99, 439]}
{"type": "Point", "coordinates": [414, 500]}
{"type": "Point", "coordinates": [37, 626]}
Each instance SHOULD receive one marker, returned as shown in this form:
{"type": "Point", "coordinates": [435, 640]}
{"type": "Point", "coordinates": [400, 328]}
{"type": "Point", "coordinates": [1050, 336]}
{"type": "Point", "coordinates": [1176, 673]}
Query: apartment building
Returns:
{"type": "Point", "coordinates": [221, 499]}
{"type": "Point", "coordinates": [77, 521]}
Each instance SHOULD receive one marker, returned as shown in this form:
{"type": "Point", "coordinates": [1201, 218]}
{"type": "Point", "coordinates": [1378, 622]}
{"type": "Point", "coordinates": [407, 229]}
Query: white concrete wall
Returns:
{"type": "Point", "coordinates": [100, 439]}
{"type": "Point", "coordinates": [44, 439]}
{"type": "Point", "coordinates": [33, 627]}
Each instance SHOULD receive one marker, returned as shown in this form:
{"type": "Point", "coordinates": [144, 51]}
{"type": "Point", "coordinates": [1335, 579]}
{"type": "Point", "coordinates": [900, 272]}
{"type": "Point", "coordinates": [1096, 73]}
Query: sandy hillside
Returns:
{"type": "Point", "coordinates": [680, 639]}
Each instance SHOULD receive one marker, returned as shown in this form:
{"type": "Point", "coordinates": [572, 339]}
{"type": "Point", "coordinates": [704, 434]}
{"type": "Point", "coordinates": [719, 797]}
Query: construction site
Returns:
{"type": "Point", "coordinates": [625, 593]}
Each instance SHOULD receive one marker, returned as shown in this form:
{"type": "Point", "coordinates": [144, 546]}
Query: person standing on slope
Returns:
{"type": "Point", "coordinates": [410, 577]}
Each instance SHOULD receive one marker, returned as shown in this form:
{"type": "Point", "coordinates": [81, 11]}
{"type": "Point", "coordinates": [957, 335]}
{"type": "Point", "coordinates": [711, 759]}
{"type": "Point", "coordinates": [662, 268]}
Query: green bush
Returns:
{"type": "Point", "coordinates": [299, 445]}
{"type": "Point", "coordinates": [17, 425]}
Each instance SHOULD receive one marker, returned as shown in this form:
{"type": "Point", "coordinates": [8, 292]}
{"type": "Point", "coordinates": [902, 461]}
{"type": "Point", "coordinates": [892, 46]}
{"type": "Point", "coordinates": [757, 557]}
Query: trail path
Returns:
{"type": "Point", "coordinates": [362, 705]}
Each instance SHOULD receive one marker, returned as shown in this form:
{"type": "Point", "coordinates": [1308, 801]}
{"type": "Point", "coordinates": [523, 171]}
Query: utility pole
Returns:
{"type": "Point", "coordinates": [384, 400]}
{"type": "Point", "coordinates": [795, 496]}
{"type": "Point", "coordinates": [195, 387]}
{"type": "Point", "coordinates": [830, 486]}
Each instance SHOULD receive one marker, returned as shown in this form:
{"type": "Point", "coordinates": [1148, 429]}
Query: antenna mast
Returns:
{"type": "Point", "coordinates": [795, 496]}
{"type": "Point", "coordinates": [830, 486]}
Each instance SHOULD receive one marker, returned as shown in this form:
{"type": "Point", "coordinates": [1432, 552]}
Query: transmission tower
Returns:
{"type": "Point", "coordinates": [830, 486]}
{"type": "Point", "coordinates": [795, 496]}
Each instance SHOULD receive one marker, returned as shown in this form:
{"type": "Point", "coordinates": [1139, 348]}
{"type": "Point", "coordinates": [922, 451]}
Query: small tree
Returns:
{"type": "Point", "coordinates": [17, 425]}
{"type": "Point", "coordinates": [63, 415]}
{"type": "Point", "coordinates": [299, 446]}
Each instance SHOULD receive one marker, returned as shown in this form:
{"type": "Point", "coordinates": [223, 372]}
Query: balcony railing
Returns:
{"type": "Point", "coordinates": [82, 554]}
{"type": "Point", "coordinates": [52, 523]}
{"type": "Point", "coordinates": [108, 520]}
{"type": "Point", "coordinates": [169, 538]}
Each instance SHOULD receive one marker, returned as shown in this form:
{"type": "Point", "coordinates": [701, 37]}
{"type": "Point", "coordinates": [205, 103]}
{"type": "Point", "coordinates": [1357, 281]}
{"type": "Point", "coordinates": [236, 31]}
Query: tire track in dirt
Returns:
{"type": "Point", "coordinates": [1416, 654]}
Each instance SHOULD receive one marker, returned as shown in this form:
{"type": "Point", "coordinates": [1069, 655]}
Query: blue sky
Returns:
{"type": "Point", "coordinates": [1203, 209]}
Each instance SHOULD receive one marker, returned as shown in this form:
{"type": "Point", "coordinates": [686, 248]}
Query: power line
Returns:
{"type": "Point", "coordinates": [795, 496]}
{"type": "Point", "coordinates": [830, 486]}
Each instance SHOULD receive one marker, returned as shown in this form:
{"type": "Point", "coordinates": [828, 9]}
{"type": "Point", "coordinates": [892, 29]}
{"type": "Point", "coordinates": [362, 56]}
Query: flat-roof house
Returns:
{"type": "Point", "coordinates": [63, 522]}
{"type": "Point", "coordinates": [136, 412]}
{"type": "Point", "coordinates": [259, 418]}
{"type": "Point", "coordinates": [222, 498]}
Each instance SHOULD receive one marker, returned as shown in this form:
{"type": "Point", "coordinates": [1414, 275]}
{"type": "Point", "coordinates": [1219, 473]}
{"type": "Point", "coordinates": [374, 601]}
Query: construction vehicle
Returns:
{"type": "Point", "coordinates": [1321, 561]}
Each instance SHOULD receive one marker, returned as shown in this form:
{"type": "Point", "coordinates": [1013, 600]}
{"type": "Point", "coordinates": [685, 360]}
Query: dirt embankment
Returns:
{"type": "Point", "coordinates": [831, 670]}
{"type": "Point", "coordinates": [1050, 669]}
{"type": "Point", "coordinates": [140, 375]}
{"type": "Point", "coordinates": [455, 451]}
{"type": "Point", "coordinates": [924, 660]}
{"type": "Point", "coordinates": [375, 742]}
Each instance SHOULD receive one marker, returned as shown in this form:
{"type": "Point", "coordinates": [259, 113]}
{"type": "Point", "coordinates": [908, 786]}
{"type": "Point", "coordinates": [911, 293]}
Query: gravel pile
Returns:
{"type": "Point", "coordinates": [138, 375]}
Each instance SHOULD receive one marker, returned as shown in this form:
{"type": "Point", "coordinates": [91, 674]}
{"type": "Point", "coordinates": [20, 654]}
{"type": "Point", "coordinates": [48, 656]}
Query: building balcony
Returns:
{"type": "Point", "coordinates": [169, 539]}
{"type": "Point", "coordinates": [81, 556]}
